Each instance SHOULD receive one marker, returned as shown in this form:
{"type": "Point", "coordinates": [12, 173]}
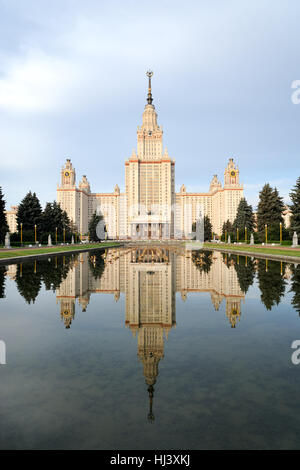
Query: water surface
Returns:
{"type": "Point", "coordinates": [149, 348]}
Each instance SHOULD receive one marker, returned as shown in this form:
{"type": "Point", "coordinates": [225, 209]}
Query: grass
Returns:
{"type": "Point", "coordinates": [254, 249]}
{"type": "Point", "coordinates": [13, 253]}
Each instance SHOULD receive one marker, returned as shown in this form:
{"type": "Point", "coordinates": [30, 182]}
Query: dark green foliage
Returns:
{"type": "Point", "coordinates": [95, 219]}
{"type": "Point", "coordinates": [203, 260]}
{"type": "Point", "coordinates": [29, 213]}
{"type": "Point", "coordinates": [244, 218]}
{"type": "Point", "coordinates": [3, 222]}
{"type": "Point", "coordinates": [271, 282]}
{"type": "Point", "coordinates": [96, 263]}
{"type": "Point", "coordinates": [245, 270]}
{"type": "Point", "coordinates": [208, 235]}
{"type": "Point", "coordinates": [227, 229]}
{"type": "Point", "coordinates": [2, 281]}
{"type": "Point", "coordinates": [295, 208]}
{"type": "Point", "coordinates": [269, 212]}
{"type": "Point", "coordinates": [28, 281]}
{"type": "Point", "coordinates": [52, 217]}
{"type": "Point", "coordinates": [295, 287]}
{"type": "Point", "coordinates": [207, 228]}
{"type": "Point", "coordinates": [54, 270]}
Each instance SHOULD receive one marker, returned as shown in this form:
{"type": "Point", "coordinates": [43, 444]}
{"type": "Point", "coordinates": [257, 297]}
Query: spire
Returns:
{"type": "Point", "coordinates": [151, 394]}
{"type": "Point", "coordinates": [149, 74]}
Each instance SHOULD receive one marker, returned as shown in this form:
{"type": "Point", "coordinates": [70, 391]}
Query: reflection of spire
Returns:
{"type": "Point", "coordinates": [149, 97]}
{"type": "Point", "coordinates": [151, 394]}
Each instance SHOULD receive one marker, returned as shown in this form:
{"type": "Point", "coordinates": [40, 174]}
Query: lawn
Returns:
{"type": "Point", "coordinates": [13, 253]}
{"type": "Point", "coordinates": [255, 249]}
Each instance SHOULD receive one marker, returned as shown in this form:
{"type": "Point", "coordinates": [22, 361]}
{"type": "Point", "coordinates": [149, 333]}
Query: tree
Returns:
{"type": "Point", "coordinates": [203, 260]}
{"type": "Point", "coordinates": [295, 208]}
{"type": "Point", "coordinates": [269, 212]}
{"type": "Point", "coordinates": [227, 228]}
{"type": "Point", "coordinates": [28, 280]}
{"type": "Point", "coordinates": [29, 212]}
{"type": "Point", "coordinates": [244, 218]}
{"type": "Point", "coordinates": [295, 287]}
{"type": "Point", "coordinates": [2, 281]}
{"type": "Point", "coordinates": [54, 217]}
{"type": "Point", "coordinates": [245, 270]}
{"type": "Point", "coordinates": [96, 263]}
{"type": "Point", "coordinates": [207, 228]}
{"type": "Point", "coordinates": [3, 222]}
{"type": "Point", "coordinates": [95, 219]}
{"type": "Point", "coordinates": [271, 283]}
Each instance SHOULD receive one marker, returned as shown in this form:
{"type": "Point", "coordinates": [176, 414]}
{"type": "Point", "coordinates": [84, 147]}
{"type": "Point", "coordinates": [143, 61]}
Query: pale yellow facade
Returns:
{"type": "Point", "coordinates": [150, 208]}
{"type": "Point", "coordinates": [11, 218]}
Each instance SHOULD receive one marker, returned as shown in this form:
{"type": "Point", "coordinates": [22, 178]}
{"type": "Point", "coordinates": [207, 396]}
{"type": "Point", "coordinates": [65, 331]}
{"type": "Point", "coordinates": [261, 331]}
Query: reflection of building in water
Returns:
{"type": "Point", "coordinates": [149, 277]}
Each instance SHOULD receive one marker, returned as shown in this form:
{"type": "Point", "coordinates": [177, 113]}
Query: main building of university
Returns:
{"type": "Point", "coordinates": [149, 208]}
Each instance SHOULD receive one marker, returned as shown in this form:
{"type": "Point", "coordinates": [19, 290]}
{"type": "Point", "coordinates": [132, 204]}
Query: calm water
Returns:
{"type": "Point", "coordinates": [149, 349]}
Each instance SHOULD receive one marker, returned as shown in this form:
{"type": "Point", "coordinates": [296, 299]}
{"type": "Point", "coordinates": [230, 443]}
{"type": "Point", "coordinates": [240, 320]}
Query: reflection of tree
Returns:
{"type": "Point", "coordinates": [203, 260]}
{"type": "Point", "coordinates": [54, 270]}
{"type": "Point", "coordinates": [2, 281]}
{"type": "Point", "coordinates": [96, 263]}
{"type": "Point", "coordinates": [245, 270]}
{"type": "Point", "coordinates": [271, 283]}
{"type": "Point", "coordinates": [295, 287]}
{"type": "Point", "coordinates": [28, 280]}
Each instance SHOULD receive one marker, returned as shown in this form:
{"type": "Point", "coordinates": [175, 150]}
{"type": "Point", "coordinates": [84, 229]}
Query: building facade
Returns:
{"type": "Point", "coordinates": [11, 218]}
{"type": "Point", "coordinates": [150, 208]}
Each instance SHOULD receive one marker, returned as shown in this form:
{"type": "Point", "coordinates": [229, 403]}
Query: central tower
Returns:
{"type": "Point", "coordinates": [150, 180]}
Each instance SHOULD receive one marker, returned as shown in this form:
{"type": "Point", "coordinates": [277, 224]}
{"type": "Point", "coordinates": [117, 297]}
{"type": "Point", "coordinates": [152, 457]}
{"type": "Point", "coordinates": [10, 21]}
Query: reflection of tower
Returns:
{"type": "Point", "coordinates": [67, 311]}
{"type": "Point", "coordinates": [150, 307]}
{"type": "Point", "coordinates": [233, 310]}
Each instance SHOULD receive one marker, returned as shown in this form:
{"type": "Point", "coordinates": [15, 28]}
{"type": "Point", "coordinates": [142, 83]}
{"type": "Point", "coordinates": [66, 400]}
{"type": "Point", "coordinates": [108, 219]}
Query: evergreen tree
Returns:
{"type": "Point", "coordinates": [269, 212]}
{"type": "Point", "coordinates": [244, 218]}
{"type": "Point", "coordinates": [271, 283]}
{"type": "Point", "coordinates": [2, 281]}
{"type": "Point", "coordinates": [295, 208]}
{"type": "Point", "coordinates": [207, 228]}
{"type": "Point", "coordinates": [48, 224]}
{"type": "Point", "coordinates": [3, 222]}
{"type": "Point", "coordinates": [295, 287]}
{"type": "Point", "coordinates": [96, 263]}
{"type": "Point", "coordinates": [245, 270]}
{"type": "Point", "coordinates": [28, 282]}
{"type": "Point", "coordinates": [95, 219]}
{"type": "Point", "coordinates": [29, 212]}
{"type": "Point", "coordinates": [54, 271]}
{"type": "Point", "coordinates": [203, 260]}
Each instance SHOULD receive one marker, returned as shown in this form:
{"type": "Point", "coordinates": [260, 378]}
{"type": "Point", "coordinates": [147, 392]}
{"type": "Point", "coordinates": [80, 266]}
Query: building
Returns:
{"type": "Point", "coordinates": [149, 208]}
{"type": "Point", "coordinates": [11, 217]}
{"type": "Point", "coordinates": [149, 277]}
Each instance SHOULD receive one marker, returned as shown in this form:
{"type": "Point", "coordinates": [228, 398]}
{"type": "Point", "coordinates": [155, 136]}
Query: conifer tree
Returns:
{"type": "Point", "coordinates": [207, 228]}
{"type": "Point", "coordinates": [271, 283]}
{"type": "Point", "coordinates": [3, 222]}
{"type": "Point", "coordinates": [95, 219]}
{"type": "Point", "coordinates": [29, 212]}
{"type": "Point", "coordinates": [295, 287]}
{"type": "Point", "coordinates": [244, 217]}
{"type": "Point", "coordinates": [269, 212]}
{"type": "Point", "coordinates": [295, 208]}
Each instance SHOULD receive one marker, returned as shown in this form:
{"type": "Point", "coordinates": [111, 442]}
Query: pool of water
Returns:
{"type": "Point", "coordinates": [149, 348]}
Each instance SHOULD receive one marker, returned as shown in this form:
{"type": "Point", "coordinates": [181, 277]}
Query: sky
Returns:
{"type": "Point", "coordinates": [73, 85]}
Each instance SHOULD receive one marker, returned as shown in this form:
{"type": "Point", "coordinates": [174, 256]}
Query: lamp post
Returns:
{"type": "Point", "coordinates": [280, 233]}
{"type": "Point", "coordinates": [64, 235]}
{"type": "Point", "coordinates": [266, 233]}
{"type": "Point", "coordinates": [225, 235]}
{"type": "Point", "coordinates": [21, 233]}
{"type": "Point", "coordinates": [34, 233]}
{"type": "Point", "coordinates": [245, 234]}
{"type": "Point", "coordinates": [237, 234]}
{"type": "Point", "coordinates": [56, 235]}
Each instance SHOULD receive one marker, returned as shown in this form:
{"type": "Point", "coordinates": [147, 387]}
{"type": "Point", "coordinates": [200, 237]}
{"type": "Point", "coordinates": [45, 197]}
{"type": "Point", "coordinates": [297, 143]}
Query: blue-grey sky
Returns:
{"type": "Point", "coordinates": [73, 84]}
